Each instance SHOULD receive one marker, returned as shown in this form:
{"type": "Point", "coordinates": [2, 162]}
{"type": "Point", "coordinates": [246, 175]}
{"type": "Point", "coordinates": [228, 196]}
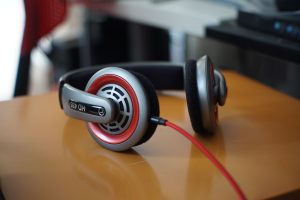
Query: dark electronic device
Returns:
{"type": "Point", "coordinates": [285, 25]}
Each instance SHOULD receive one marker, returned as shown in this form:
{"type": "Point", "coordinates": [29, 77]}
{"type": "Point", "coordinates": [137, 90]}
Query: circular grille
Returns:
{"type": "Point", "coordinates": [124, 104]}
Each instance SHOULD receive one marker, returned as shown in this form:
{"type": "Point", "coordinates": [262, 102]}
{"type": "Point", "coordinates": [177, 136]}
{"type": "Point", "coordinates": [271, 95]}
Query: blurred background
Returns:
{"type": "Point", "coordinates": [42, 40]}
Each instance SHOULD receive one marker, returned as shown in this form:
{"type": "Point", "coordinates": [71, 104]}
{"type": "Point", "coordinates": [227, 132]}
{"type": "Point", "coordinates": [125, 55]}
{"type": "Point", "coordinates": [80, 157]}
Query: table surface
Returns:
{"type": "Point", "coordinates": [46, 155]}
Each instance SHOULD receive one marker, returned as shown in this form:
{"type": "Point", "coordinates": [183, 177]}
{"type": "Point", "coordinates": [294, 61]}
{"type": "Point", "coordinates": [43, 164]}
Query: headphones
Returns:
{"type": "Point", "coordinates": [119, 101]}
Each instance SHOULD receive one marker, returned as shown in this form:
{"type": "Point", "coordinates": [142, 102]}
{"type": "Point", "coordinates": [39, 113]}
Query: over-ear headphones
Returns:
{"type": "Point", "coordinates": [120, 105]}
{"type": "Point", "coordinates": [118, 101]}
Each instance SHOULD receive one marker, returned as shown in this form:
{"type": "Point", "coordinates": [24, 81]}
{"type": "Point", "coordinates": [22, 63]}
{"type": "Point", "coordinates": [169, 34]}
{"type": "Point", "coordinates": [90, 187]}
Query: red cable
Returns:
{"type": "Point", "coordinates": [211, 157]}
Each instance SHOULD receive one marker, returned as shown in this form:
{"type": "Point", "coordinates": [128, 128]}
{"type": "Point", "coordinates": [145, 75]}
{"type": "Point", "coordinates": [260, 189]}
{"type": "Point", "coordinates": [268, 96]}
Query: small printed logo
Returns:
{"type": "Point", "coordinates": [87, 108]}
{"type": "Point", "coordinates": [73, 105]}
{"type": "Point", "coordinates": [77, 106]}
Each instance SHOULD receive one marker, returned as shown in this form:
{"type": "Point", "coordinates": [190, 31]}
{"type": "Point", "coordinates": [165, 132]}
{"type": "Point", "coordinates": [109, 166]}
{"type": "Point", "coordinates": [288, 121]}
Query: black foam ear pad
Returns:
{"type": "Point", "coordinates": [192, 99]}
{"type": "Point", "coordinates": [153, 106]}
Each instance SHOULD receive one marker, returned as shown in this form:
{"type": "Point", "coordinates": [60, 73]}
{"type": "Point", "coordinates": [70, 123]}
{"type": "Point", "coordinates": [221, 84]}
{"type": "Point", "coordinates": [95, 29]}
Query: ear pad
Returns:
{"type": "Point", "coordinates": [199, 87]}
{"type": "Point", "coordinates": [153, 106]}
{"type": "Point", "coordinates": [191, 91]}
{"type": "Point", "coordinates": [131, 125]}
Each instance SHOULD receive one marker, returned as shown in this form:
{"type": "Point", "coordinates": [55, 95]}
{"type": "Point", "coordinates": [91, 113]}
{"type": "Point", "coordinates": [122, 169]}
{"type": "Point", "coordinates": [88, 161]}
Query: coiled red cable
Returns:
{"type": "Point", "coordinates": [210, 156]}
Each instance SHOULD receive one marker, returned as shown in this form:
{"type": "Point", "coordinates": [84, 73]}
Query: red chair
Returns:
{"type": "Point", "coordinates": [41, 18]}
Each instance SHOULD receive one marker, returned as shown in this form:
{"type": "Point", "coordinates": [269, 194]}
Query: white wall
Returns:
{"type": "Point", "coordinates": [12, 19]}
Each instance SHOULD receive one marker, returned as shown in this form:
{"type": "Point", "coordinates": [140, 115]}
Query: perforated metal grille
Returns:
{"type": "Point", "coordinates": [124, 104]}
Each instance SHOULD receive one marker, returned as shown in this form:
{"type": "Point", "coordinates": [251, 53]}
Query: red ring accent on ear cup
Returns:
{"type": "Point", "coordinates": [98, 132]}
{"type": "Point", "coordinates": [215, 114]}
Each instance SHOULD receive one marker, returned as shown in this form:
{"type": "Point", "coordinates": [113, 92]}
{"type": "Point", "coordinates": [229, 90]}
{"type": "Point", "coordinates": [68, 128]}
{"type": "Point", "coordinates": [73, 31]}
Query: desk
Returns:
{"type": "Point", "coordinates": [46, 155]}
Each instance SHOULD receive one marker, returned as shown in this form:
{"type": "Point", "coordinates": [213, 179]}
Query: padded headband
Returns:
{"type": "Point", "coordinates": [163, 75]}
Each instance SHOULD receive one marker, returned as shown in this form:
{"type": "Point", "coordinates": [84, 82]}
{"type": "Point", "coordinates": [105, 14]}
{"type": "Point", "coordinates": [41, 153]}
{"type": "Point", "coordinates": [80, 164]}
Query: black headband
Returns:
{"type": "Point", "coordinates": [163, 75]}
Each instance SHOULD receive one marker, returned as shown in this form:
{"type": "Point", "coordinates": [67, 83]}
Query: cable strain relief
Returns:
{"type": "Point", "coordinates": [158, 120]}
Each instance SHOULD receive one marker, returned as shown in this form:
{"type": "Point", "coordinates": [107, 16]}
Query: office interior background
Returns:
{"type": "Point", "coordinates": [87, 37]}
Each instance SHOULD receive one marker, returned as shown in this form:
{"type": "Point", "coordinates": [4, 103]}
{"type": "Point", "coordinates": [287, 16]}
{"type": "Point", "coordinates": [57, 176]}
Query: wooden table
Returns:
{"type": "Point", "coordinates": [46, 155]}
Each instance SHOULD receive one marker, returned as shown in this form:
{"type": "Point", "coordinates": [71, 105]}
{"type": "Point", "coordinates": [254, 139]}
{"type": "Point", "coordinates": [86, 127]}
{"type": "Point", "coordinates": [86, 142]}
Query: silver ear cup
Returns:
{"type": "Point", "coordinates": [205, 88]}
{"type": "Point", "coordinates": [131, 101]}
{"type": "Point", "coordinates": [220, 88]}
